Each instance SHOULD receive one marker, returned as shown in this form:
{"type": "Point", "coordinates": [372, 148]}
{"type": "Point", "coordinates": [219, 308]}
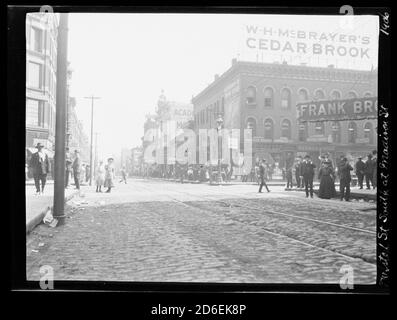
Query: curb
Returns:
{"type": "Point", "coordinates": [39, 218]}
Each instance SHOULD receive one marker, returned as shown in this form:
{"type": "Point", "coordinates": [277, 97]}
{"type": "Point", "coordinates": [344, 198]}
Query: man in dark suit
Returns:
{"type": "Point", "coordinates": [68, 169]}
{"type": "Point", "coordinates": [308, 175]}
{"type": "Point", "coordinates": [360, 171]}
{"type": "Point", "coordinates": [345, 178]}
{"type": "Point", "coordinates": [298, 173]}
{"type": "Point", "coordinates": [262, 175]}
{"type": "Point", "coordinates": [369, 172]}
{"type": "Point", "coordinates": [375, 174]}
{"type": "Point", "coordinates": [40, 167]}
{"type": "Point", "coordinates": [76, 169]}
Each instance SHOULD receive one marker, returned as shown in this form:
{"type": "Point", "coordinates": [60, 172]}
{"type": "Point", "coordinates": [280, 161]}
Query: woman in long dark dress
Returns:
{"type": "Point", "coordinates": [326, 176]}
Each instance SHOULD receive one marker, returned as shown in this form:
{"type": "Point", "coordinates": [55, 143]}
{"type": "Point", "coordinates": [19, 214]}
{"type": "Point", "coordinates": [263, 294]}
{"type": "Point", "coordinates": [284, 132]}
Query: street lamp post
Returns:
{"type": "Point", "coordinates": [219, 123]}
{"type": "Point", "coordinates": [92, 132]}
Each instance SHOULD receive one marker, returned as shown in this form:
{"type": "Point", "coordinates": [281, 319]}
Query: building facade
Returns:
{"type": "Point", "coordinates": [263, 96]}
{"type": "Point", "coordinates": [41, 63]}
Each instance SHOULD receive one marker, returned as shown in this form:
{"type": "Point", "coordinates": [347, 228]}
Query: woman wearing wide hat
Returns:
{"type": "Point", "coordinates": [326, 176]}
{"type": "Point", "coordinates": [109, 175]}
{"type": "Point", "coordinates": [40, 167]}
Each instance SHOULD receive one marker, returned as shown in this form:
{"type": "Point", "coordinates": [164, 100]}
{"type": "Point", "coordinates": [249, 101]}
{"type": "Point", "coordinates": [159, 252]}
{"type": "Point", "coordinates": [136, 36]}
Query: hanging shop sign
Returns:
{"type": "Point", "coordinates": [338, 110]}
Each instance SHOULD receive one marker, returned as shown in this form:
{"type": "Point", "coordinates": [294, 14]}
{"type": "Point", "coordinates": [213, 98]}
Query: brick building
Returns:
{"type": "Point", "coordinates": [263, 96]}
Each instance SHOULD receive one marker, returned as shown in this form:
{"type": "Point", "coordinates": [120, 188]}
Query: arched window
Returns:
{"type": "Point", "coordinates": [251, 123]}
{"type": "Point", "coordinates": [269, 97]}
{"type": "Point", "coordinates": [269, 128]}
{"type": "Point", "coordinates": [286, 98]}
{"type": "Point", "coordinates": [351, 95]}
{"type": "Point", "coordinates": [320, 128]}
{"type": "Point", "coordinates": [303, 95]}
{"type": "Point", "coordinates": [303, 131]}
{"type": "Point", "coordinates": [369, 132]}
{"type": "Point", "coordinates": [286, 129]}
{"type": "Point", "coordinates": [368, 94]}
{"type": "Point", "coordinates": [336, 134]}
{"type": "Point", "coordinates": [319, 94]}
{"type": "Point", "coordinates": [352, 132]}
{"type": "Point", "coordinates": [251, 95]}
{"type": "Point", "coordinates": [336, 95]}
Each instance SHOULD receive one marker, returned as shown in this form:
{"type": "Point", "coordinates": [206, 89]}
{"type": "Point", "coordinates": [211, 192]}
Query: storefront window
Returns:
{"type": "Point", "coordinates": [320, 128]}
{"type": "Point", "coordinates": [336, 135]}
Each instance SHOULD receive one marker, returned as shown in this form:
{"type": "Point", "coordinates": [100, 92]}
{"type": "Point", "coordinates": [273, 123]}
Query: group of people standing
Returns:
{"type": "Point", "coordinates": [104, 173]}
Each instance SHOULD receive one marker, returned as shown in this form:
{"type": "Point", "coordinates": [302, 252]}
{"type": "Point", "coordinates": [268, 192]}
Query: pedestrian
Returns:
{"type": "Point", "coordinates": [326, 176]}
{"type": "Point", "coordinates": [87, 173]}
{"type": "Point", "coordinates": [40, 167]}
{"type": "Point", "coordinates": [360, 171]}
{"type": "Point", "coordinates": [82, 174]}
{"type": "Point", "coordinates": [375, 175]}
{"type": "Point", "coordinates": [123, 175]}
{"type": "Point", "coordinates": [109, 175]}
{"type": "Point", "coordinates": [298, 169]}
{"type": "Point", "coordinates": [68, 167]}
{"type": "Point", "coordinates": [262, 175]}
{"type": "Point", "coordinates": [308, 175]}
{"type": "Point", "coordinates": [288, 176]}
{"type": "Point", "coordinates": [369, 172]}
{"type": "Point", "coordinates": [345, 178]}
{"type": "Point", "coordinates": [76, 169]}
{"type": "Point", "coordinates": [100, 176]}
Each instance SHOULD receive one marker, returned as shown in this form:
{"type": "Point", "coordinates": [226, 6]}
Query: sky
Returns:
{"type": "Point", "coordinates": [128, 59]}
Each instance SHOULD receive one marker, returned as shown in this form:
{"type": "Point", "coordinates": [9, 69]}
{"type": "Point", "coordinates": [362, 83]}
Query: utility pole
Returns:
{"type": "Point", "coordinates": [60, 124]}
{"type": "Point", "coordinates": [92, 132]}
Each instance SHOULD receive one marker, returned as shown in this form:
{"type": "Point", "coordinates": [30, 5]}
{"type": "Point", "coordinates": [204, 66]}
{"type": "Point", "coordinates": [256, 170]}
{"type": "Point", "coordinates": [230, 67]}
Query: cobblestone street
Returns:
{"type": "Point", "coordinates": [151, 230]}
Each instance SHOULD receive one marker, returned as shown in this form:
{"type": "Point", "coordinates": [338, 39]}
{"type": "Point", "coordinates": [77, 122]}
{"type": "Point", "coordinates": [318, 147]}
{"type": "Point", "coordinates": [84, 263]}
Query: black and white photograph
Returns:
{"type": "Point", "coordinates": [203, 147]}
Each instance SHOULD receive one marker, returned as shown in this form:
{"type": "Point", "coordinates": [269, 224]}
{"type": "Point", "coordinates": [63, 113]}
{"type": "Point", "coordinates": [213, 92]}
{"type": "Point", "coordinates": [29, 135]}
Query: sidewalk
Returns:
{"type": "Point", "coordinates": [37, 206]}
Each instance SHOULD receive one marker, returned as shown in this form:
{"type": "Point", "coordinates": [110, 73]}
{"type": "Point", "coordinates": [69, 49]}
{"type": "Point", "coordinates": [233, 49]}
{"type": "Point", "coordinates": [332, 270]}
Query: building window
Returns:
{"type": "Point", "coordinates": [369, 132]}
{"type": "Point", "coordinates": [303, 131]}
{"type": "Point", "coordinates": [269, 97]}
{"type": "Point", "coordinates": [303, 95]}
{"type": "Point", "coordinates": [319, 95]}
{"type": "Point", "coordinates": [286, 129]}
{"type": "Point", "coordinates": [251, 95]}
{"type": "Point", "coordinates": [336, 95]}
{"type": "Point", "coordinates": [320, 128]}
{"type": "Point", "coordinates": [269, 128]}
{"type": "Point", "coordinates": [352, 95]}
{"type": "Point", "coordinates": [368, 94]}
{"type": "Point", "coordinates": [223, 105]}
{"type": "Point", "coordinates": [286, 98]}
{"type": "Point", "coordinates": [352, 132]}
{"type": "Point", "coordinates": [34, 75]}
{"type": "Point", "coordinates": [336, 135]}
{"type": "Point", "coordinates": [35, 113]}
{"type": "Point", "coordinates": [36, 39]}
{"type": "Point", "coordinates": [251, 123]}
